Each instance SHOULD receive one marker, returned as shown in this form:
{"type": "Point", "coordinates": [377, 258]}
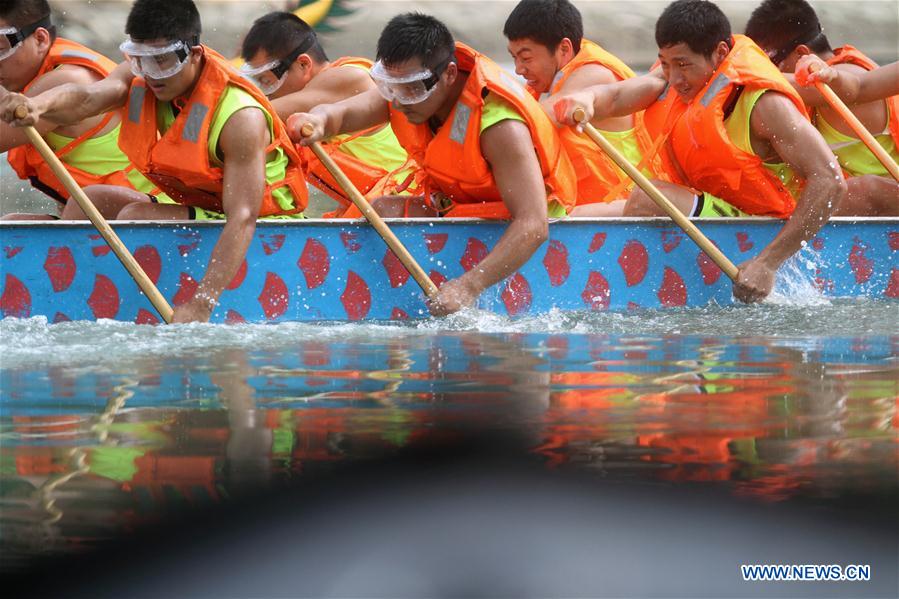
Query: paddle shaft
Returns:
{"type": "Point", "coordinates": [128, 261]}
{"type": "Point", "coordinates": [395, 245]}
{"type": "Point", "coordinates": [661, 201]}
{"type": "Point", "coordinates": [856, 125]}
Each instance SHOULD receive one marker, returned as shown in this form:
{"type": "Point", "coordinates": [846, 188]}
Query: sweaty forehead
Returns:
{"type": "Point", "coordinates": [679, 51]}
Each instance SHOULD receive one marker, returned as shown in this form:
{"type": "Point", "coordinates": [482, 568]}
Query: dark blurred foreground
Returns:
{"type": "Point", "coordinates": [472, 518]}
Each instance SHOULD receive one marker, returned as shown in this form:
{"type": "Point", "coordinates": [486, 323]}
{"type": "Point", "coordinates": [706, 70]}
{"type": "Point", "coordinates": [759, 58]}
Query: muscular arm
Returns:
{"type": "Point", "coordinates": [243, 142]}
{"type": "Point", "coordinates": [612, 100]}
{"type": "Point", "coordinates": [509, 149]}
{"type": "Point", "coordinates": [71, 103]}
{"type": "Point", "coordinates": [857, 87]}
{"type": "Point", "coordinates": [353, 114]}
{"type": "Point", "coordinates": [810, 94]}
{"type": "Point", "coordinates": [12, 137]}
{"type": "Point", "coordinates": [776, 120]}
{"type": "Point", "coordinates": [585, 77]}
{"type": "Point", "coordinates": [329, 87]}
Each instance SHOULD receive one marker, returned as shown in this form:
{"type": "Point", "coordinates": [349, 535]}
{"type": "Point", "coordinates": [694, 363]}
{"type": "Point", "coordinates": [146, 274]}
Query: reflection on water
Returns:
{"type": "Point", "coordinates": [92, 449]}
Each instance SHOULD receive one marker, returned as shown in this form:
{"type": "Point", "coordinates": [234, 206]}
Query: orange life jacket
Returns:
{"type": "Point", "coordinates": [178, 161]}
{"type": "Point", "coordinates": [452, 159]}
{"type": "Point", "coordinates": [698, 152]}
{"type": "Point", "coordinates": [850, 55]}
{"type": "Point", "coordinates": [598, 178]}
{"type": "Point", "coordinates": [26, 160]}
{"type": "Point", "coordinates": [371, 180]}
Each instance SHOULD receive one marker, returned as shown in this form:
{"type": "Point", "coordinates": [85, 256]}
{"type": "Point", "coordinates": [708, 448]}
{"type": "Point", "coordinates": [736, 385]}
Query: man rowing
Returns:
{"type": "Point", "coordinates": [193, 126]}
{"type": "Point", "coordinates": [485, 144]}
{"type": "Point", "coordinates": [733, 133]}
{"type": "Point", "coordinates": [33, 59]}
{"type": "Point", "coordinates": [789, 29]}
{"type": "Point", "coordinates": [285, 58]}
{"type": "Point", "coordinates": [546, 41]}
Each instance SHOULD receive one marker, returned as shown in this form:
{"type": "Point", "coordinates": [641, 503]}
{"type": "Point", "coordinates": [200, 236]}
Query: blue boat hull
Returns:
{"type": "Point", "coordinates": [333, 270]}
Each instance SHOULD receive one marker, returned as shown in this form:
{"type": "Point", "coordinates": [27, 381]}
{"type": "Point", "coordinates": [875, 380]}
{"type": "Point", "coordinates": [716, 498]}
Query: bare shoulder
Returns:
{"type": "Point", "coordinates": [775, 113]}
{"type": "Point", "coordinates": [506, 139]}
{"type": "Point", "coordinates": [245, 131]}
{"type": "Point", "coordinates": [64, 74]}
{"type": "Point", "coordinates": [340, 82]}
{"type": "Point", "coordinates": [588, 75]}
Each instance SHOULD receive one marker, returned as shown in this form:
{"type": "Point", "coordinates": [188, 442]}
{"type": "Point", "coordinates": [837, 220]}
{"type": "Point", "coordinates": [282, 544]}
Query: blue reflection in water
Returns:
{"type": "Point", "coordinates": [91, 451]}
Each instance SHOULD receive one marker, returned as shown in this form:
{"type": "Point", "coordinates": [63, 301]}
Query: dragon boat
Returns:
{"type": "Point", "coordinates": [327, 270]}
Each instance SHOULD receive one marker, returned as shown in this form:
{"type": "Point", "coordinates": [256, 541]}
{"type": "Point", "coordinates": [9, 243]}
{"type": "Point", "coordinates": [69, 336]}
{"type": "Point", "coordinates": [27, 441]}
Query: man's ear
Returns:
{"type": "Point", "coordinates": [451, 72]}
{"type": "Point", "coordinates": [565, 50]}
{"type": "Point", "coordinates": [43, 38]}
{"type": "Point", "coordinates": [803, 50]}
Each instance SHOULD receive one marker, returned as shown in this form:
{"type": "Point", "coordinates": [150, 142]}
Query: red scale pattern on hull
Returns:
{"type": "Point", "coordinates": [234, 317]}
{"type": "Point", "coordinates": [710, 271]}
{"type": "Point", "coordinates": [104, 299]}
{"type": "Point", "coordinates": [186, 289]}
{"type": "Point", "coordinates": [239, 276]}
{"type": "Point", "coordinates": [475, 251]}
{"type": "Point", "coordinates": [670, 240]}
{"type": "Point", "coordinates": [272, 243]}
{"type": "Point", "coordinates": [275, 298]}
{"type": "Point", "coordinates": [315, 263]}
{"type": "Point", "coordinates": [634, 262]}
{"type": "Point", "coordinates": [438, 278]}
{"type": "Point", "coordinates": [597, 242]}
{"type": "Point", "coordinates": [16, 299]}
{"type": "Point", "coordinates": [517, 295]}
{"type": "Point", "coordinates": [146, 317]}
{"type": "Point", "coordinates": [60, 267]}
{"type": "Point", "coordinates": [356, 298]}
{"type": "Point", "coordinates": [149, 260]}
{"type": "Point", "coordinates": [893, 288]}
{"type": "Point", "coordinates": [861, 265]}
{"type": "Point", "coordinates": [744, 243]}
{"type": "Point", "coordinates": [673, 292]}
{"type": "Point", "coordinates": [556, 263]}
{"type": "Point", "coordinates": [597, 295]}
{"type": "Point", "coordinates": [396, 272]}
{"type": "Point", "coordinates": [435, 242]}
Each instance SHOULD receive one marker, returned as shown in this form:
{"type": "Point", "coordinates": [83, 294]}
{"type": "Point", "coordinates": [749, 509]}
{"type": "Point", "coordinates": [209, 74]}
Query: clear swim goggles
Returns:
{"type": "Point", "coordinates": [157, 62]}
{"type": "Point", "coordinates": [271, 76]}
{"type": "Point", "coordinates": [11, 39]}
{"type": "Point", "coordinates": [411, 88]}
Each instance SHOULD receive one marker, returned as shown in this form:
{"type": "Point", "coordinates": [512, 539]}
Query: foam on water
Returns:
{"type": "Point", "coordinates": [34, 341]}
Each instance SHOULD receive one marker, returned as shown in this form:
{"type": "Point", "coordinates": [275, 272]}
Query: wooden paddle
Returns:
{"type": "Point", "coordinates": [661, 201]}
{"type": "Point", "coordinates": [128, 261]}
{"type": "Point", "coordinates": [856, 125]}
{"type": "Point", "coordinates": [395, 245]}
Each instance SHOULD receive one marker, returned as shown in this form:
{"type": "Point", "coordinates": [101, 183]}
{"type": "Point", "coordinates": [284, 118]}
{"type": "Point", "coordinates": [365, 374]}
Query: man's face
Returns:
{"type": "Point", "coordinates": [422, 111]}
{"type": "Point", "coordinates": [535, 62]}
{"type": "Point", "coordinates": [295, 78]}
{"type": "Point", "coordinates": [22, 64]}
{"type": "Point", "coordinates": [169, 87]}
{"type": "Point", "coordinates": [688, 72]}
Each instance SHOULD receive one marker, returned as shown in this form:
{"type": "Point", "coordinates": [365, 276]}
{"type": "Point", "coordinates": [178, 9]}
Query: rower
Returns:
{"type": "Point", "coordinates": [486, 146]}
{"type": "Point", "coordinates": [33, 59]}
{"type": "Point", "coordinates": [285, 58]}
{"type": "Point", "coordinates": [196, 128]}
{"type": "Point", "coordinates": [546, 41]}
{"type": "Point", "coordinates": [788, 30]}
{"type": "Point", "coordinates": [733, 134]}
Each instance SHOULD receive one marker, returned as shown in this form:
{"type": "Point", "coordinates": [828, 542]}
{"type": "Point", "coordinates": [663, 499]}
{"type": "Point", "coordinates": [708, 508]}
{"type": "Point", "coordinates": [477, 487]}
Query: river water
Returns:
{"type": "Point", "coordinates": [111, 428]}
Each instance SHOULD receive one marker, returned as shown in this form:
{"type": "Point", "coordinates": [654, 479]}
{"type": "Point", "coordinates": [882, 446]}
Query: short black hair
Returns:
{"type": "Point", "coordinates": [280, 33]}
{"type": "Point", "coordinates": [164, 20]}
{"type": "Point", "coordinates": [547, 22]}
{"type": "Point", "coordinates": [22, 13]}
{"type": "Point", "coordinates": [698, 23]}
{"type": "Point", "coordinates": [781, 25]}
{"type": "Point", "coordinates": [415, 35]}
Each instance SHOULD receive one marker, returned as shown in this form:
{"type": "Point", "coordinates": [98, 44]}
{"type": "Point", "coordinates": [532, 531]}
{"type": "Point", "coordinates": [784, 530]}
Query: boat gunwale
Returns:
{"type": "Point", "coordinates": [405, 222]}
